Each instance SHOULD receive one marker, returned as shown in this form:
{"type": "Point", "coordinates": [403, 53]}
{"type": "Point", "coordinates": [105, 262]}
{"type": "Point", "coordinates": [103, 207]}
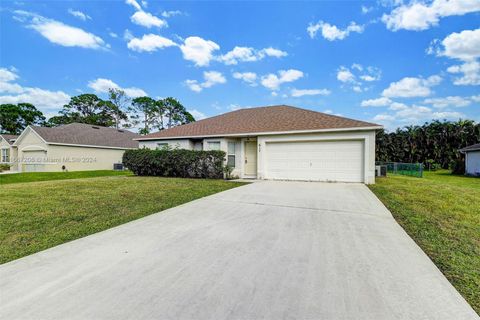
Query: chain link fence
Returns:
{"type": "Point", "coordinates": [406, 169]}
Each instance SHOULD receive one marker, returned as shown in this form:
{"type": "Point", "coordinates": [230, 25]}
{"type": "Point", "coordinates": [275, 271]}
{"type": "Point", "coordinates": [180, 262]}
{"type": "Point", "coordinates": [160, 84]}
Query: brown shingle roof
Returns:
{"type": "Point", "coordinates": [9, 137]}
{"type": "Point", "coordinates": [86, 134]}
{"type": "Point", "coordinates": [262, 119]}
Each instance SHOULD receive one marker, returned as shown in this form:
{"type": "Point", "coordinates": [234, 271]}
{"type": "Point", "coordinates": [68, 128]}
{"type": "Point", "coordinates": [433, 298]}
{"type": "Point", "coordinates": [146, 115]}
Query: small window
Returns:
{"type": "Point", "coordinates": [162, 145]}
{"type": "Point", "coordinates": [5, 155]}
{"type": "Point", "coordinates": [214, 145]}
{"type": "Point", "coordinates": [231, 155]}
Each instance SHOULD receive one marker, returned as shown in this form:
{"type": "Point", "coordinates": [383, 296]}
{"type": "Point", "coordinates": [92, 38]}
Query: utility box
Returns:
{"type": "Point", "coordinates": [381, 171]}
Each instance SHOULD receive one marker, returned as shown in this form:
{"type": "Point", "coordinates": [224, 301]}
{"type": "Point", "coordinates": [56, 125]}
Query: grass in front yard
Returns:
{"type": "Point", "coordinates": [441, 212]}
{"type": "Point", "coordinates": [46, 176]}
{"type": "Point", "coordinates": [39, 215]}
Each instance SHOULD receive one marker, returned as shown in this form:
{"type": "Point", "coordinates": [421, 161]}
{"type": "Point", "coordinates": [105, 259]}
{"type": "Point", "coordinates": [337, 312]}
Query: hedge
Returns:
{"type": "Point", "coordinates": [175, 163]}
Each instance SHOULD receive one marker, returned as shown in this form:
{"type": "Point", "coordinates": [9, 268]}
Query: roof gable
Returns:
{"type": "Point", "coordinates": [9, 138]}
{"type": "Point", "coordinates": [262, 119]}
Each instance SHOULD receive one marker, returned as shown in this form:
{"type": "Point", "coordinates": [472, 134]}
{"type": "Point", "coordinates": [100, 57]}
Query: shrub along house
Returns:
{"type": "Point", "coordinates": [71, 147]}
{"type": "Point", "coordinates": [281, 142]}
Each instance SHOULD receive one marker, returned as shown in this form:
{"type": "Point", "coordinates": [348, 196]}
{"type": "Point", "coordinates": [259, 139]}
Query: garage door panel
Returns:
{"type": "Point", "coordinates": [315, 160]}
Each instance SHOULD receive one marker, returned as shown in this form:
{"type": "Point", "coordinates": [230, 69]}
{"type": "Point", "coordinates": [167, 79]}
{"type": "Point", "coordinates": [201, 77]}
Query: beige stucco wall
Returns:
{"type": "Point", "coordinates": [178, 143]}
{"type": "Point", "coordinates": [35, 155]}
{"type": "Point", "coordinates": [13, 154]}
{"type": "Point", "coordinates": [367, 137]}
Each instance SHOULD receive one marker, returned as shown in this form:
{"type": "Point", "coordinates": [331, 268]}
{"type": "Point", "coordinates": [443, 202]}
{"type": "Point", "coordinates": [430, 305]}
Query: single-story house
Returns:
{"type": "Point", "coordinates": [7, 151]}
{"type": "Point", "coordinates": [71, 147]}
{"type": "Point", "coordinates": [472, 159]}
{"type": "Point", "coordinates": [281, 142]}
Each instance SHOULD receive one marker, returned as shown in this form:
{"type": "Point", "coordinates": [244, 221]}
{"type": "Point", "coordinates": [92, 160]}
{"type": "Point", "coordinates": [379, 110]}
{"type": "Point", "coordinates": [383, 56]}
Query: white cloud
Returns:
{"type": "Point", "coordinates": [113, 34]}
{"type": "Point", "coordinates": [273, 81]}
{"type": "Point", "coordinates": [309, 92]}
{"type": "Point", "coordinates": [368, 78]}
{"type": "Point", "coordinates": [366, 10]}
{"type": "Point", "coordinates": [356, 76]}
{"type": "Point", "coordinates": [172, 13]}
{"type": "Point", "coordinates": [102, 85]}
{"type": "Point", "coordinates": [7, 75]}
{"type": "Point", "coordinates": [149, 43]}
{"type": "Point", "coordinates": [127, 35]}
{"type": "Point", "coordinates": [450, 101]}
{"type": "Point", "coordinates": [272, 52]}
{"type": "Point", "coordinates": [247, 54]}
{"type": "Point", "coordinates": [383, 117]}
{"type": "Point", "coordinates": [379, 102]}
{"type": "Point", "coordinates": [211, 78]}
{"type": "Point", "coordinates": [463, 46]}
{"type": "Point", "coordinates": [248, 77]}
{"type": "Point", "coordinates": [42, 99]}
{"type": "Point", "coordinates": [412, 87]}
{"type": "Point", "coordinates": [414, 114]}
{"type": "Point", "coordinates": [239, 54]}
{"type": "Point", "coordinates": [60, 33]}
{"type": "Point", "coordinates": [418, 15]}
{"type": "Point", "coordinates": [396, 106]}
{"type": "Point", "coordinates": [79, 14]}
{"type": "Point", "coordinates": [345, 75]}
{"type": "Point", "coordinates": [198, 50]}
{"type": "Point", "coordinates": [198, 115]}
{"type": "Point", "coordinates": [332, 32]}
{"type": "Point", "coordinates": [147, 20]}
{"type": "Point", "coordinates": [134, 4]}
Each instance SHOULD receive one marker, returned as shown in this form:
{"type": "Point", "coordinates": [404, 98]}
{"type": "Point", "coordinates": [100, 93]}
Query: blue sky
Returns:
{"type": "Point", "coordinates": [390, 62]}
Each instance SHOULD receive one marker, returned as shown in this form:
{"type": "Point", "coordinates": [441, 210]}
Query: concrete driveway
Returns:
{"type": "Point", "coordinates": [268, 250]}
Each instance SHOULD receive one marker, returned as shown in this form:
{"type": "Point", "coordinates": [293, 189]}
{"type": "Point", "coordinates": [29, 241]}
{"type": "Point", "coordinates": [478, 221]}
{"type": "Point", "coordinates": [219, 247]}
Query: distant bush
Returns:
{"type": "Point", "coordinates": [4, 167]}
{"type": "Point", "coordinates": [457, 166]}
{"type": "Point", "coordinates": [175, 163]}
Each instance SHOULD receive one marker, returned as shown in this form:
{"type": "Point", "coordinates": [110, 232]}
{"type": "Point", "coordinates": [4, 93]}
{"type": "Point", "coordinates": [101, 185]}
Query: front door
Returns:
{"type": "Point", "coordinates": [251, 158]}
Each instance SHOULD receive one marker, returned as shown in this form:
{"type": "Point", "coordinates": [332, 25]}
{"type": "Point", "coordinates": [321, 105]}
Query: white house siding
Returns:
{"type": "Point", "coordinates": [367, 137]}
{"type": "Point", "coordinates": [472, 162]}
{"type": "Point", "coordinates": [177, 143]}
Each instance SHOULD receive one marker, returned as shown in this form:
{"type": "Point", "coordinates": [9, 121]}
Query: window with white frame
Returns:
{"type": "Point", "coordinates": [213, 145]}
{"type": "Point", "coordinates": [5, 155]}
{"type": "Point", "coordinates": [231, 154]}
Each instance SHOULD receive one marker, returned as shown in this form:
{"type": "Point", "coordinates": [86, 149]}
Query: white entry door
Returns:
{"type": "Point", "coordinates": [340, 161]}
{"type": "Point", "coordinates": [250, 158]}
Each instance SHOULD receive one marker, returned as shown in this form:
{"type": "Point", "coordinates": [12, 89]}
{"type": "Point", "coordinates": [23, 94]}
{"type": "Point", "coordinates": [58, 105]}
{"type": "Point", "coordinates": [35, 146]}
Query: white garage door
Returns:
{"type": "Point", "coordinates": [315, 161]}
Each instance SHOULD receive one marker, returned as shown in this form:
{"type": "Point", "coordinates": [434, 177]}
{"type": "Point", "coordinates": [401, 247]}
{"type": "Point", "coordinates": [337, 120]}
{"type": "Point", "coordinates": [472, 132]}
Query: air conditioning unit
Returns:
{"type": "Point", "coordinates": [118, 166]}
{"type": "Point", "coordinates": [381, 171]}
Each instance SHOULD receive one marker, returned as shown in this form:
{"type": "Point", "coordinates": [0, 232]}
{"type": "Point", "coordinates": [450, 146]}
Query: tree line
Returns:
{"type": "Point", "coordinates": [118, 111]}
{"type": "Point", "coordinates": [434, 143]}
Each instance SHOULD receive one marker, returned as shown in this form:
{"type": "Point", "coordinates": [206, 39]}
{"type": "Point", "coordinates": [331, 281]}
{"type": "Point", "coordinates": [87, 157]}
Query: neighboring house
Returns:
{"type": "Point", "coordinates": [71, 147]}
{"type": "Point", "coordinates": [281, 142]}
{"type": "Point", "coordinates": [7, 151]}
{"type": "Point", "coordinates": [472, 159]}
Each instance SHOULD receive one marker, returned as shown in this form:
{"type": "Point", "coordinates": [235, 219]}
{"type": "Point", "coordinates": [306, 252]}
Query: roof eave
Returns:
{"type": "Point", "coordinates": [267, 133]}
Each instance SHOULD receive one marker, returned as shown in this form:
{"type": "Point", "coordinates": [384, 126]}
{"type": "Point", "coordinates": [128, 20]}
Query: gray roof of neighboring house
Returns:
{"type": "Point", "coordinates": [10, 138]}
{"type": "Point", "coordinates": [473, 147]}
{"type": "Point", "coordinates": [86, 134]}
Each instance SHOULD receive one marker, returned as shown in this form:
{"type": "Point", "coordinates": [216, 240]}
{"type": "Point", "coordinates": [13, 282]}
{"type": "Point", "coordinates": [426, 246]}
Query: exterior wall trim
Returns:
{"type": "Point", "coordinates": [264, 133]}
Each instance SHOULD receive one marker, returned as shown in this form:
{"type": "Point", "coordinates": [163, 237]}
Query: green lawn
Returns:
{"type": "Point", "coordinates": [45, 176]}
{"type": "Point", "coordinates": [441, 212]}
{"type": "Point", "coordinates": [39, 215]}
